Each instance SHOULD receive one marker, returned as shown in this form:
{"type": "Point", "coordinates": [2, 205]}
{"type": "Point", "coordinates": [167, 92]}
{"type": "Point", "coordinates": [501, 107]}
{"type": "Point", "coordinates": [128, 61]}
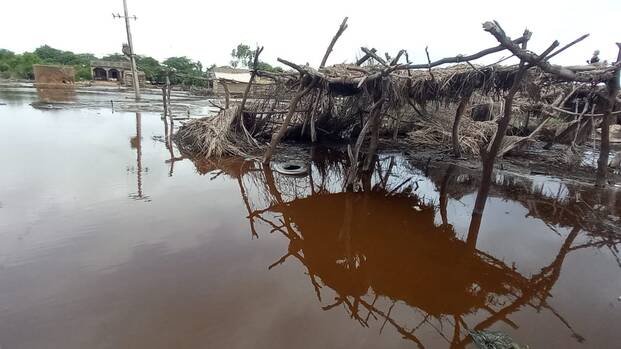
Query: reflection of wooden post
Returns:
{"type": "Point", "coordinates": [444, 193]}
{"type": "Point", "coordinates": [139, 153]}
{"type": "Point", "coordinates": [473, 231]}
{"type": "Point", "coordinates": [165, 114]}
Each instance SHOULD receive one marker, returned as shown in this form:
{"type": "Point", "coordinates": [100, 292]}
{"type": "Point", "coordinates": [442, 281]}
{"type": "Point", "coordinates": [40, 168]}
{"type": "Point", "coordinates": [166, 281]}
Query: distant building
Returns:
{"type": "Point", "coordinates": [120, 72]}
{"type": "Point", "coordinates": [236, 81]}
{"type": "Point", "coordinates": [47, 75]}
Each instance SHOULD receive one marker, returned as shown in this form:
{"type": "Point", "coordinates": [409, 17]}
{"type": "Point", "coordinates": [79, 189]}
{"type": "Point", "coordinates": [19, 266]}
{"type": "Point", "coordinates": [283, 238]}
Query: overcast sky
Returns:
{"type": "Point", "coordinates": [300, 31]}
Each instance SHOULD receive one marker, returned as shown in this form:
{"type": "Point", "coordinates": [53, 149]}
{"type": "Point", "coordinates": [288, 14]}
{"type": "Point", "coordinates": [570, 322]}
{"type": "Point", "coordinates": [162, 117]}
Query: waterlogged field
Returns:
{"type": "Point", "coordinates": [110, 239]}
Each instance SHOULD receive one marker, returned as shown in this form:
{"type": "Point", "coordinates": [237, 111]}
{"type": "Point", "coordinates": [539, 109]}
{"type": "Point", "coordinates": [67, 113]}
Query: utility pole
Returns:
{"type": "Point", "coordinates": [132, 56]}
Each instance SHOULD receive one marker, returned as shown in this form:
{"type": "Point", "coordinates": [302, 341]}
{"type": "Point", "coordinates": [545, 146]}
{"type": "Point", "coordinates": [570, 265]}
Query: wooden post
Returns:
{"type": "Point", "coordinates": [253, 74]}
{"type": "Point", "coordinates": [373, 143]}
{"type": "Point", "coordinates": [281, 131]}
{"type": "Point", "coordinates": [490, 156]}
{"type": "Point", "coordinates": [226, 94]}
{"type": "Point", "coordinates": [604, 149]}
{"type": "Point", "coordinates": [313, 113]}
{"type": "Point", "coordinates": [132, 56]}
{"type": "Point", "coordinates": [397, 123]}
{"type": "Point", "coordinates": [458, 114]}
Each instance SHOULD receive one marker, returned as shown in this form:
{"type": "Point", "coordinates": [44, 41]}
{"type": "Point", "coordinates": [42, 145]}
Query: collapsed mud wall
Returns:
{"type": "Point", "coordinates": [53, 75]}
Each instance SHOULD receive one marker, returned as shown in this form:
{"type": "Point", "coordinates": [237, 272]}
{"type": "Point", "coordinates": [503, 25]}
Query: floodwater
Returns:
{"type": "Point", "coordinates": [110, 239]}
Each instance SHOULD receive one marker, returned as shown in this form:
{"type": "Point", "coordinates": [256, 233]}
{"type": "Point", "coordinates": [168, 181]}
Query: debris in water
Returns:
{"type": "Point", "coordinates": [291, 168]}
{"type": "Point", "coordinates": [493, 340]}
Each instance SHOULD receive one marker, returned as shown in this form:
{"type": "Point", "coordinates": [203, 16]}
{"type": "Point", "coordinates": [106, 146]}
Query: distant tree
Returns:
{"type": "Point", "coordinates": [85, 58]}
{"type": "Point", "coordinates": [242, 54]}
{"type": "Point", "coordinates": [152, 69]}
{"type": "Point", "coordinates": [268, 67]}
{"type": "Point", "coordinates": [49, 54]}
{"type": "Point", "coordinates": [83, 72]}
{"type": "Point", "coordinates": [180, 64]}
{"type": "Point", "coordinates": [21, 65]}
{"type": "Point", "coordinates": [116, 57]}
{"type": "Point", "coordinates": [5, 55]}
{"type": "Point", "coordinates": [185, 71]}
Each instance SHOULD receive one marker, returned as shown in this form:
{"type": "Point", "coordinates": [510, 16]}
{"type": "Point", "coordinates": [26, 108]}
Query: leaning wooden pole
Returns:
{"type": "Point", "coordinates": [489, 156]}
{"type": "Point", "coordinates": [324, 60]}
{"type": "Point", "coordinates": [338, 34]}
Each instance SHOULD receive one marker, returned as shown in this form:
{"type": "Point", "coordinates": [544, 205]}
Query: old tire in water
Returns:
{"type": "Point", "coordinates": [292, 168]}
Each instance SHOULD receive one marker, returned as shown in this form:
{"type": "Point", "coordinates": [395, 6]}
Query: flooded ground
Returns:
{"type": "Point", "coordinates": [109, 239]}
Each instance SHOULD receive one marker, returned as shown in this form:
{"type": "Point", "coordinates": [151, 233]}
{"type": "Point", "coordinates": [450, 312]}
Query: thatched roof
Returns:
{"type": "Point", "coordinates": [445, 84]}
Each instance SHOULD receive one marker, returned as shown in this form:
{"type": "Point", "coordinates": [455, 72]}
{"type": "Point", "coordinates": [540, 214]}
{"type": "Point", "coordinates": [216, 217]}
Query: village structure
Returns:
{"type": "Point", "coordinates": [235, 81]}
{"type": "Point", "coordinates": [115, 71]}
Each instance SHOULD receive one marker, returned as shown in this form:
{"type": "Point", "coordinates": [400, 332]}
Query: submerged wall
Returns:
{"type": "Point", "coordinates": [53, 75]}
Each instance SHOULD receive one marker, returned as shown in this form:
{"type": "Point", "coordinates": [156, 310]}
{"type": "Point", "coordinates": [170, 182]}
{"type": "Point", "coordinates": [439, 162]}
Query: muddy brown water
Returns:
{"type": "Point", "coordinates": [107, 243]}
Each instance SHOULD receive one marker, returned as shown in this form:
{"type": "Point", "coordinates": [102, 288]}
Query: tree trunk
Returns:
{"type": "Point", "coordinates": [375, 126]}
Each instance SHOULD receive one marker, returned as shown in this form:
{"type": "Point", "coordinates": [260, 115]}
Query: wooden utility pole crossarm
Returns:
{"type": "Point", "coordinates": [132, 56]}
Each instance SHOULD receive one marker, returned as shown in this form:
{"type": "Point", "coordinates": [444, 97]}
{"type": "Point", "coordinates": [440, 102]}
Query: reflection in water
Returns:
{"type": "Point", "coordinates": [51, 95]}
{"type": "Point", "coordinates": [380, 252]}
{"type": "Point", "coordinates": [83, 266]}
{"type": "Point", "coordinates": [136, 143]}
{"type": "Point", "coordinates": [169, 129]}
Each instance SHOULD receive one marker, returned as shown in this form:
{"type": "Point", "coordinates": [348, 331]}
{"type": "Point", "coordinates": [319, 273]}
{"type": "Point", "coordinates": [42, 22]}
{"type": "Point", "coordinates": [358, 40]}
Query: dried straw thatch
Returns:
{"type": "Point", "coordinates": [435, 133]}
{"type": "Point", "coordinates": [453, 83]}
{"type": "Point", "coordinates": [216, 136]}
{"type": "Point", "coordinates": [447, 84]}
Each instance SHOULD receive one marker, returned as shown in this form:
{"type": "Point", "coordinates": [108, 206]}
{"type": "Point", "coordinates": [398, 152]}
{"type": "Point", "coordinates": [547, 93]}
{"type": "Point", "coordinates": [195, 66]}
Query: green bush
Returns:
{"type": "Point", "coordinates": [83, 72]}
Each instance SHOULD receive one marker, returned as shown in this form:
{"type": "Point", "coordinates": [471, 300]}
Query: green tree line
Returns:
{"type": "Point", "coordinates": [19, 66]}
{"type": "Point", "coordinates": [180, 70]}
